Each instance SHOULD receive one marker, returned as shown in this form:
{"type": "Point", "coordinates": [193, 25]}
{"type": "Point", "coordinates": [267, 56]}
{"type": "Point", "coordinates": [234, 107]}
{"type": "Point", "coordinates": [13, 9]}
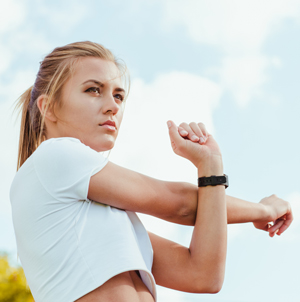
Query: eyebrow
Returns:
{"type": "Point", "coordinates": [119, 89]}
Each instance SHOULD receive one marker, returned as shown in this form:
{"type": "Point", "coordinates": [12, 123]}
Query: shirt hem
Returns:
{"type": "Point", "coordinates": [101, 281]}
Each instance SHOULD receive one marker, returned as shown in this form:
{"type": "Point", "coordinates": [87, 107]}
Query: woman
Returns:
{"type": "Point", "coordinates": [77, 233]}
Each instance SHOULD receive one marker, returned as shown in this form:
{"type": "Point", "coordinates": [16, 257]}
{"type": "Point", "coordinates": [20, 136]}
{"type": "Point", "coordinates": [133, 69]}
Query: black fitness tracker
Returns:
{"type": "Point", "coordinates": [213, 181]}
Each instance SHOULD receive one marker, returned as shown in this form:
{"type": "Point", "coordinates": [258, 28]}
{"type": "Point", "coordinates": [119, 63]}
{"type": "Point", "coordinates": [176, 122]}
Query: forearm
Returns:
{"type": "Point", "coordinates": [209, 240]}
{"type": "Point", "coordinates": [241, 211]}
{"type": "Point", "coordinates": [238, 210]}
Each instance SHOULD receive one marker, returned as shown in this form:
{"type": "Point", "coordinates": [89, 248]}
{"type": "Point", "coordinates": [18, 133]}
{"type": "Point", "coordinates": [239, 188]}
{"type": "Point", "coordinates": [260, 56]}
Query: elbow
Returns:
{"type": "Point", "coordinates": [209, 284]}
{"type": "Point", "coordinates": [217, 283]}
{"type": "Point", "coordinates": [186, 205]}
{"type": "Point", "coordinates": [212, 288]}
{"type": "Point", "coordinates": [185, 215]}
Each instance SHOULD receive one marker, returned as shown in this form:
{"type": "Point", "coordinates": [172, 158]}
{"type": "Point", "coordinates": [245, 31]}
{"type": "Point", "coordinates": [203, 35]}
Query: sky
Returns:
{"type": "Point", "coordinates": [233, 65]}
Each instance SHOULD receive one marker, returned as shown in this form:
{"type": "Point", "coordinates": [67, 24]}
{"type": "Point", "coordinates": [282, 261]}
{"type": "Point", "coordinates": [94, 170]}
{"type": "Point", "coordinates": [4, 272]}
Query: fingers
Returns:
{"type": "Point", "coordinates": [287, 223]}
{"type": "Point", "coordinates": [193, 131]}
{"type": "Point", "coordinates": [281, 212]}
{"type": "Point", "coordinates": [182, 132]}
{"type": "Point", "coordinates": [275, 228]}
{"type": "Point", "coordinates": [281, 224]}
{"type": "Point", "coordinates": [174, 135]}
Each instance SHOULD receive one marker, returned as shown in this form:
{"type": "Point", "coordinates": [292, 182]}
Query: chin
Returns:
{"type": "Point", "coordinates": [104, 146]}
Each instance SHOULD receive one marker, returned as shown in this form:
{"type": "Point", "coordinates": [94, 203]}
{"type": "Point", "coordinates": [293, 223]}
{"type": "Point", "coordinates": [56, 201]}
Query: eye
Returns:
{"type": "Point", "coordinates": [119, 96]}
{"type": "Point", "coordinates": [93, 89]}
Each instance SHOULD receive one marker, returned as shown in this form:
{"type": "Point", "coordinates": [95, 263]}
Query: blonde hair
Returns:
{"type": "Point", "coordinates": [55, 70]}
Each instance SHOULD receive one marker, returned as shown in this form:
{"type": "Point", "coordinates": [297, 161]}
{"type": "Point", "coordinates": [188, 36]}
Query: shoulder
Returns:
{"type": "Point", "coordinates": [67, 148]}
{"type": "Point", "coordinates": [66, 153]}
{"type": "Point", "coordinates": [64, 166]}
{"type": "Point", "coordinates": [61, 145]}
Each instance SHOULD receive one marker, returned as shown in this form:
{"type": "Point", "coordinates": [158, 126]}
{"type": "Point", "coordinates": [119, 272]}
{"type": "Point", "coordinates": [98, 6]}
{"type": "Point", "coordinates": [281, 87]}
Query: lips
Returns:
{"type": "Point", "coordinates": [109, 125]}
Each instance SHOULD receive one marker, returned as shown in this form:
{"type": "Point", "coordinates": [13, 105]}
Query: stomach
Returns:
{"type": "Point", "coordinates": [125, 287]}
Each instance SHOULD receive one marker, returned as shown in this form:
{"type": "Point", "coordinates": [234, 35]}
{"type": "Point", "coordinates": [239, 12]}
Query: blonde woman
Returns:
{"type": "Point", "coordinates": [77, 234]}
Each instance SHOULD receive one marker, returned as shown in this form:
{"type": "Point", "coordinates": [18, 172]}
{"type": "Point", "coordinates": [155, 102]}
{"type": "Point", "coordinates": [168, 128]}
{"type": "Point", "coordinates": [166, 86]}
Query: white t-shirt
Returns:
{"type": "Point", "coordinates": [69, 245]}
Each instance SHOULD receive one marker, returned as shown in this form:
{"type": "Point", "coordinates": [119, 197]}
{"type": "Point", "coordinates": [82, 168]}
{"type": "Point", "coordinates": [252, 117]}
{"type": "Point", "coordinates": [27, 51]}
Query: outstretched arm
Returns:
{"type": "Point", "coordinates": [177, 201]}
{"type": "Point", "coordinates": [269, 209]}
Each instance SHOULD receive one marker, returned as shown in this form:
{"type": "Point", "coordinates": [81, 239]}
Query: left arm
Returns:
{"type": "Point", "coordinates": [268, 209]}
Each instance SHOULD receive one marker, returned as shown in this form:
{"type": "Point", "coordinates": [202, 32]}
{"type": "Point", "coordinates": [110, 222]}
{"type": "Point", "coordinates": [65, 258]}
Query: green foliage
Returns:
{"type": "Point", "coordinates": [13, 285]}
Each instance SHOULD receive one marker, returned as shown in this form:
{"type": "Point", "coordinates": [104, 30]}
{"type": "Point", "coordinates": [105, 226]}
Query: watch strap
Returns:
{"type": "Point", "coordinates": [213, 181]}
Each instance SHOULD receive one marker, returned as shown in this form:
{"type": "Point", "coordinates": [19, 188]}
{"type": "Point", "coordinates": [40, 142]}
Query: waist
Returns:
{"type": "Point", "coordinates": [125, 287]}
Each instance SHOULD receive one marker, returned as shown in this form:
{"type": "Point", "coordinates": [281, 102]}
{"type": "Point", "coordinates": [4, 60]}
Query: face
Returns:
{"type": "Point", "coordinates": [91, 104]}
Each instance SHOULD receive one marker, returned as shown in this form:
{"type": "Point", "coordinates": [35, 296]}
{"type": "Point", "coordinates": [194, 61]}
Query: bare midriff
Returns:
{"type": "Point", "coordinates": [125, 287]}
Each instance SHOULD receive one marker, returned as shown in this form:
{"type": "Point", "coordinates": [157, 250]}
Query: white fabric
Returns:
{"type": "Point", "coordinates": [69, 245]}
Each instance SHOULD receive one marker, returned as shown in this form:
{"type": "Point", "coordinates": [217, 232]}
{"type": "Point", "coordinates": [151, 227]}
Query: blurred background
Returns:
{"type": "Point", "coordinates": [233, 65]}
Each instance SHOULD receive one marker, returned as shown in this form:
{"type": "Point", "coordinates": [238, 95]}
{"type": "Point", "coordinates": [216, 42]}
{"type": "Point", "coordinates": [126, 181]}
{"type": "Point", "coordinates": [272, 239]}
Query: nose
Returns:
{"type": "Point", "coordinates": [110, 105]}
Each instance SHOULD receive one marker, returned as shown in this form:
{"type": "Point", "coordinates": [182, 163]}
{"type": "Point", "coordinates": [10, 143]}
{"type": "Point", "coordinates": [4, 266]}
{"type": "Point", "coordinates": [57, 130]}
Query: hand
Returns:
{"type": "Point", "coordinates": [193, 142]}
{"type": "Point", "coordinates": [279, 212]}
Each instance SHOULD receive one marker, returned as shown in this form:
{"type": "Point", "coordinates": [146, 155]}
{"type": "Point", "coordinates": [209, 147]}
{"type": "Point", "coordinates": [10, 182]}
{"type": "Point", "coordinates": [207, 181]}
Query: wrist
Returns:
{"type": "Point", "coordinates": [263, 213]}
{"type": "Point", "coordinates": [211, 166]}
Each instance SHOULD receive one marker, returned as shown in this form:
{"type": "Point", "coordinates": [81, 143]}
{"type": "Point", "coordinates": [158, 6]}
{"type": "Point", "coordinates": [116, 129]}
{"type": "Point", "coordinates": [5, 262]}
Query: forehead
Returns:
{"type": "Point", "coordinates": [96, 69]}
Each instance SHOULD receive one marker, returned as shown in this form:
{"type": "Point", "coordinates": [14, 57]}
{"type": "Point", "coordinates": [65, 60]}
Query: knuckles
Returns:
{"type": "Point", "coordinates": [183, 124]}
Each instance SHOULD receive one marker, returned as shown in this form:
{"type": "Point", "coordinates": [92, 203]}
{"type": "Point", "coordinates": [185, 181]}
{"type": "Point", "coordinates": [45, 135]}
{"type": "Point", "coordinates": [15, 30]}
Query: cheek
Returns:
{"type": "Point", "coordinates": [120, 117]}
{"type": "Point", "coordinates": [74, 109]}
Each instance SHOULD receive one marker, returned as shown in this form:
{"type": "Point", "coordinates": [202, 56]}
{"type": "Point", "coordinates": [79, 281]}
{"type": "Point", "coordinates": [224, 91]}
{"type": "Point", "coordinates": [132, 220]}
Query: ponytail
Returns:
{"type": "Point", "coordinates": [29, 137]}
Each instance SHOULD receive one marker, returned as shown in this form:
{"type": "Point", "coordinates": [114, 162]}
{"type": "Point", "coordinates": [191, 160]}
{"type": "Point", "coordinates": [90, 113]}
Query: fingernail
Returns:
{"type": "Point", "coordinates": [184, 132]}
{"type": "Point", "coordinates": [202, 140]}
{"type": "Point", "coordinates": [169, 124]}
{"type": "Point", "coordinates": [194, 137]}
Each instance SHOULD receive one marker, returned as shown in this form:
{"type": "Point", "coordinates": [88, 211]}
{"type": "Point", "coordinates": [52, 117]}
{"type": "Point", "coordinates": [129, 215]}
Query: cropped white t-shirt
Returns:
{"type": "Point", "coordinates": [69, 245]}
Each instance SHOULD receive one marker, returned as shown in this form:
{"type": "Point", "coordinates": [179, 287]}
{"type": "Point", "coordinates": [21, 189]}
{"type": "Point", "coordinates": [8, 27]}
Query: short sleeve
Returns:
{"type": "Point", "coordinates": [64, 167]}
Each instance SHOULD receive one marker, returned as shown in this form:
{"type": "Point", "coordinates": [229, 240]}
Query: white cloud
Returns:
{"type": "Point", "coordinates": [239, 29]}
{"type": "Point", "coordinates": [21, 81]}
{"type": "Point", "coordinates": [181, 97]}
{"type": "Point", "coordinates": [32, 41]}
{"type": "Point", "coordinates": [5, 58]}
{"type": "Point", "coordinates": [12, 14]}
{"type": "Point", "coordinates": [63, 15]}
{"type": "Point", "coordinates": [244, 76]}
{"type": "Point", "coordinates": [235, 26]}
{"type": "Point", "coordinates": [21, 33]}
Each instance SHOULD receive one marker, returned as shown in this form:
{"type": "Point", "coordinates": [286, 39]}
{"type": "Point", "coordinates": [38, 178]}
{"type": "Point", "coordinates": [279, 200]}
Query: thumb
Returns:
{"type": "Point", "coordinates": [175, 137]}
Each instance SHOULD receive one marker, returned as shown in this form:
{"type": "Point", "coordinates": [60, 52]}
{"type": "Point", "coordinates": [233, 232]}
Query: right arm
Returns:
{"type": "Point", "coordinates": [129, 190]}
{"type": "Point", "coordinates": [199, 268]}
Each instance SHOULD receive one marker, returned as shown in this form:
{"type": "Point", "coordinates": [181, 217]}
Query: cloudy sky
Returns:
{"type": "Point", "coordinates": [233, 65]}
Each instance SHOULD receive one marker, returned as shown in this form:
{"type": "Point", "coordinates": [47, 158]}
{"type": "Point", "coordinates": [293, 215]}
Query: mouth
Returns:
{"type": "Point", "coordinates": [110, 125]}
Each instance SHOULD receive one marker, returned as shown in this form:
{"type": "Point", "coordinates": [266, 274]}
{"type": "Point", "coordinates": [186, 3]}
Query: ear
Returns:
{"type": "Point", "coordinates": [42, 105]}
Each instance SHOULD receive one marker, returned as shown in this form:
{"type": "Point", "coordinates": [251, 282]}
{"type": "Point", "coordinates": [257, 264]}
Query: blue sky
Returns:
{"type": "Point", "coordinates": [231, 64]}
